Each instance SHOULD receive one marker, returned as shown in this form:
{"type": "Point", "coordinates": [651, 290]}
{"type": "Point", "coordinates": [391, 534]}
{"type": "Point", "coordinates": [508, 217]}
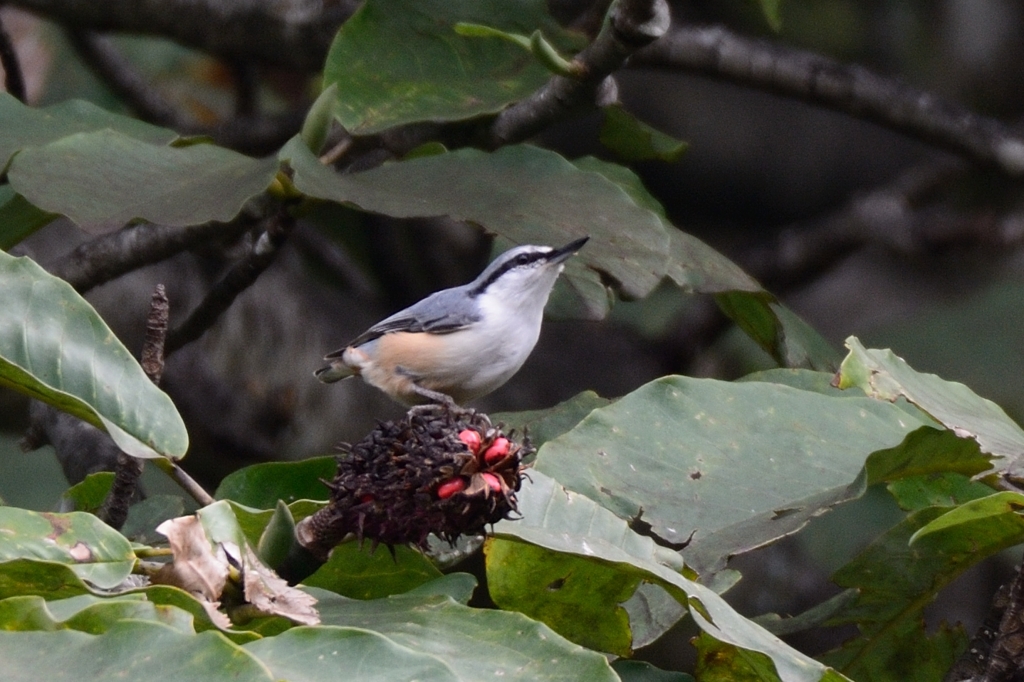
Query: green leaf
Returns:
{"type": "Point", "coordinates": [144, 517]}
{"type": "Point", "coordinates": [87, 613]}
{"type": "Point", "coordinates": [719, 662]}
{"type": "Point", "coordinates": [319, 119]}
{"type": "Point", "coordinates": [278, 537]}
{"type": "Point", "coordinates": [543, 425]}
{"type": "Point", "coordinates": [641, 671]}
{"type": "Point", "coordinates": [476, 644]}
{"type": "Point", "coordinates": [693, 266]}
{"type": "Point", "coordinates": [58, 582]}
{"type": "Point", "coordinates": [782, 334]}
{"type": "Point", "coordinates": [356, 572]}
{"type": "Point", "coordinates": [253, 522]}
{"type": "Point", "coordinates": [772, 10]}
{"type": "Point", "coordinates": [525, 194]}
{"type": "Point", "coordinates": [634, 140]}
{"type": "Point", "coordinates": [88, 496]}
{"type": "Point", "coordinates": [469, 30]}
{"type": "Point", "coordinates": [318, 654]}
{"type": "Point", "coordinates": [93, 550]}
{"type": "Point", "coordinates": [128, 647]}
{"type": "Point", "coordinates": [48, 579]}
{"type": "Point", "coordinates": [578, 601]}
{"type": "Point", "coordinates": [907, 653]}
{"type": "Point", "coordinates": [261, 485]}
{"type": "Point", "coordinates": [697, 268]}
{"type": "Point", "coordinates": [103, 180]}
{"type": "Point", "coordinates": [457, 586]}
{"type": "Point", "coordinates": [165, 595]}
{"type": "Point", "coordinates": [882, 374]}
{"type": "Point", "coordinates": [402, 61]}
{"type": "Point", "coordinates": [26, 126]}
{"type": "Point", "coordinates": [897, 579]}
{"type": "Point", "coordinates": [947, 489]}
{"type": "Point", "coordinates": [54, 347]}
{"type": "Point", "coordinates": [1002, 509]}
{"type": "Point", "coordinates": [18, 218]}
{"type": "Point", "coordinates": [927, 451]}
{"type": "Point", "coordinates": [735, 464]}
{"type": "Point", "coordinates": [562, 521]}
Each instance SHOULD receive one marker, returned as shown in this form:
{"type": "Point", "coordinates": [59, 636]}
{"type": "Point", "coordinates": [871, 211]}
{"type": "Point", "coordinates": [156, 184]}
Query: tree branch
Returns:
{"type": "Point", "coordinates": [847, 88]}
{"type": "Point", "coordinates": [632, 25]}
{"type": "Point", "coordinates": [100, 55]}
{"type": "Point", "coordinates": [109, 256]}
{"type": "Point", "coordinates": [14, 80]}
{"type": "Point", "coordinates": [246, 131]}
{"type": "Point", "coordinates": [237, 280]}
{"type": "Point", "coordinates": [293, 34]}
{"type": "Point", "coordinates": [890, 215]}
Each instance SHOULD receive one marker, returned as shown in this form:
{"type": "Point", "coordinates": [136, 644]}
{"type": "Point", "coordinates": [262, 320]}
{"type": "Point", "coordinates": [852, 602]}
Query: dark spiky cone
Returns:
{"type": "Point", "coordinates": [439, 470]}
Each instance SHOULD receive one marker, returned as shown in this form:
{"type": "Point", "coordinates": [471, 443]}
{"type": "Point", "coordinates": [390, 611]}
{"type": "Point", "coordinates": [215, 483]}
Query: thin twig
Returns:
{"type": "Point", "coordinates": [339, 150]}
{"type": "Point", "coordinates": [851, 89]}
{"type": "Point", "coordinates": [104, 258]}
{"type": "Point", "coordinates": [14, 80]}
{"type": "Point", "coordinates": [237, 280]}
{"type": "Point", "coordinates": [186, 482]}
{"type": "Point", "coordinates": [633, 24]}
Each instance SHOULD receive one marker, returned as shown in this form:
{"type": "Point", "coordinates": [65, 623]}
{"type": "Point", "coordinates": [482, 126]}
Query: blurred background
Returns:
{"type": "Point", "coordinates": [862, 231]}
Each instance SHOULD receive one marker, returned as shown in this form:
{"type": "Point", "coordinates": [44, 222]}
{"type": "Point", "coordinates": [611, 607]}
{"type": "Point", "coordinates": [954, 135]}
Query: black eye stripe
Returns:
{"type": "Point", "coordinates": [519, 261]}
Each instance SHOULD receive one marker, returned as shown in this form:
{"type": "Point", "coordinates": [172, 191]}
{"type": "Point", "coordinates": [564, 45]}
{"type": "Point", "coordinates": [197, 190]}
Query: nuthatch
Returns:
{"type": "Point", "coordinates": [460, 343]}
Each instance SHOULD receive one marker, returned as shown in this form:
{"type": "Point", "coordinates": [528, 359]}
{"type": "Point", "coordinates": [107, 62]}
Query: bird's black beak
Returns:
{"type": "Point", "coordinates": [562, 254]}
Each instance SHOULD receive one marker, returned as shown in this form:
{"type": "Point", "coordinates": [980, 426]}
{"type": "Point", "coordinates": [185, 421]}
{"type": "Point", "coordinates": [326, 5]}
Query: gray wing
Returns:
{"type": "Point", "coordinates": [440, 313]}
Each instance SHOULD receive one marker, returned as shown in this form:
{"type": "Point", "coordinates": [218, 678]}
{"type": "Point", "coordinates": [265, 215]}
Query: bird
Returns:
{"type": "Point", "coordinates": [461, 343]}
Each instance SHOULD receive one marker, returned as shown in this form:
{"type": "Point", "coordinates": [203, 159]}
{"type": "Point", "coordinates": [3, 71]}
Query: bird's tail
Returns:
{"type": "Point", "coordinates": [336, 371]}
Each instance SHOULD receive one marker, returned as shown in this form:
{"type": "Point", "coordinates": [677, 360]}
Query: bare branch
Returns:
{"type": "Point", "coordinates": [887, 215]}
{"type": "Point", "coordinates": [847, 88]}
{"type": "Point", "coordinates": [246, 131]}
{"type": "Point", "coordinates": [294, 34]}
{"type": "Point", "coordinates": [633, 24]}
{"type": "Point", "coordinates": [237, 280]}
{"type": "Point", "coordinates": [120, 75]}
{"type": "Point", "coordinates": [104, 258]}
{"type": "Point", "coordinates": [14, 80]}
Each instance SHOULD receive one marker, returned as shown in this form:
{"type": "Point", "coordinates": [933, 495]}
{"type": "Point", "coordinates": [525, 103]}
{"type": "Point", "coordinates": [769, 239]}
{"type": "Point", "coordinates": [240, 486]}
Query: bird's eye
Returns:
{"type": "Point", "coordinates": [523, 259]}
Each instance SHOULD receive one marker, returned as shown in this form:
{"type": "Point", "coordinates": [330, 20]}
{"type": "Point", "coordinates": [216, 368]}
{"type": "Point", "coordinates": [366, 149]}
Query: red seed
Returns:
{"type": "Point", "coordinates": [498, 450]}
{"type": "Point", "coordinates": [472, 439]}
{"type": "Point", "coordinates": [450, 487]}
{"type": "Point", "coordinates": [492, 481]}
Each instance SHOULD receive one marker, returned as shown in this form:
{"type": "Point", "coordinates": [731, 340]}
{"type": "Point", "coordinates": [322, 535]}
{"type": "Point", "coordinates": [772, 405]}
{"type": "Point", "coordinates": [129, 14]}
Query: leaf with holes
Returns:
{"type": "Point", "coordinates": [881, 374]}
